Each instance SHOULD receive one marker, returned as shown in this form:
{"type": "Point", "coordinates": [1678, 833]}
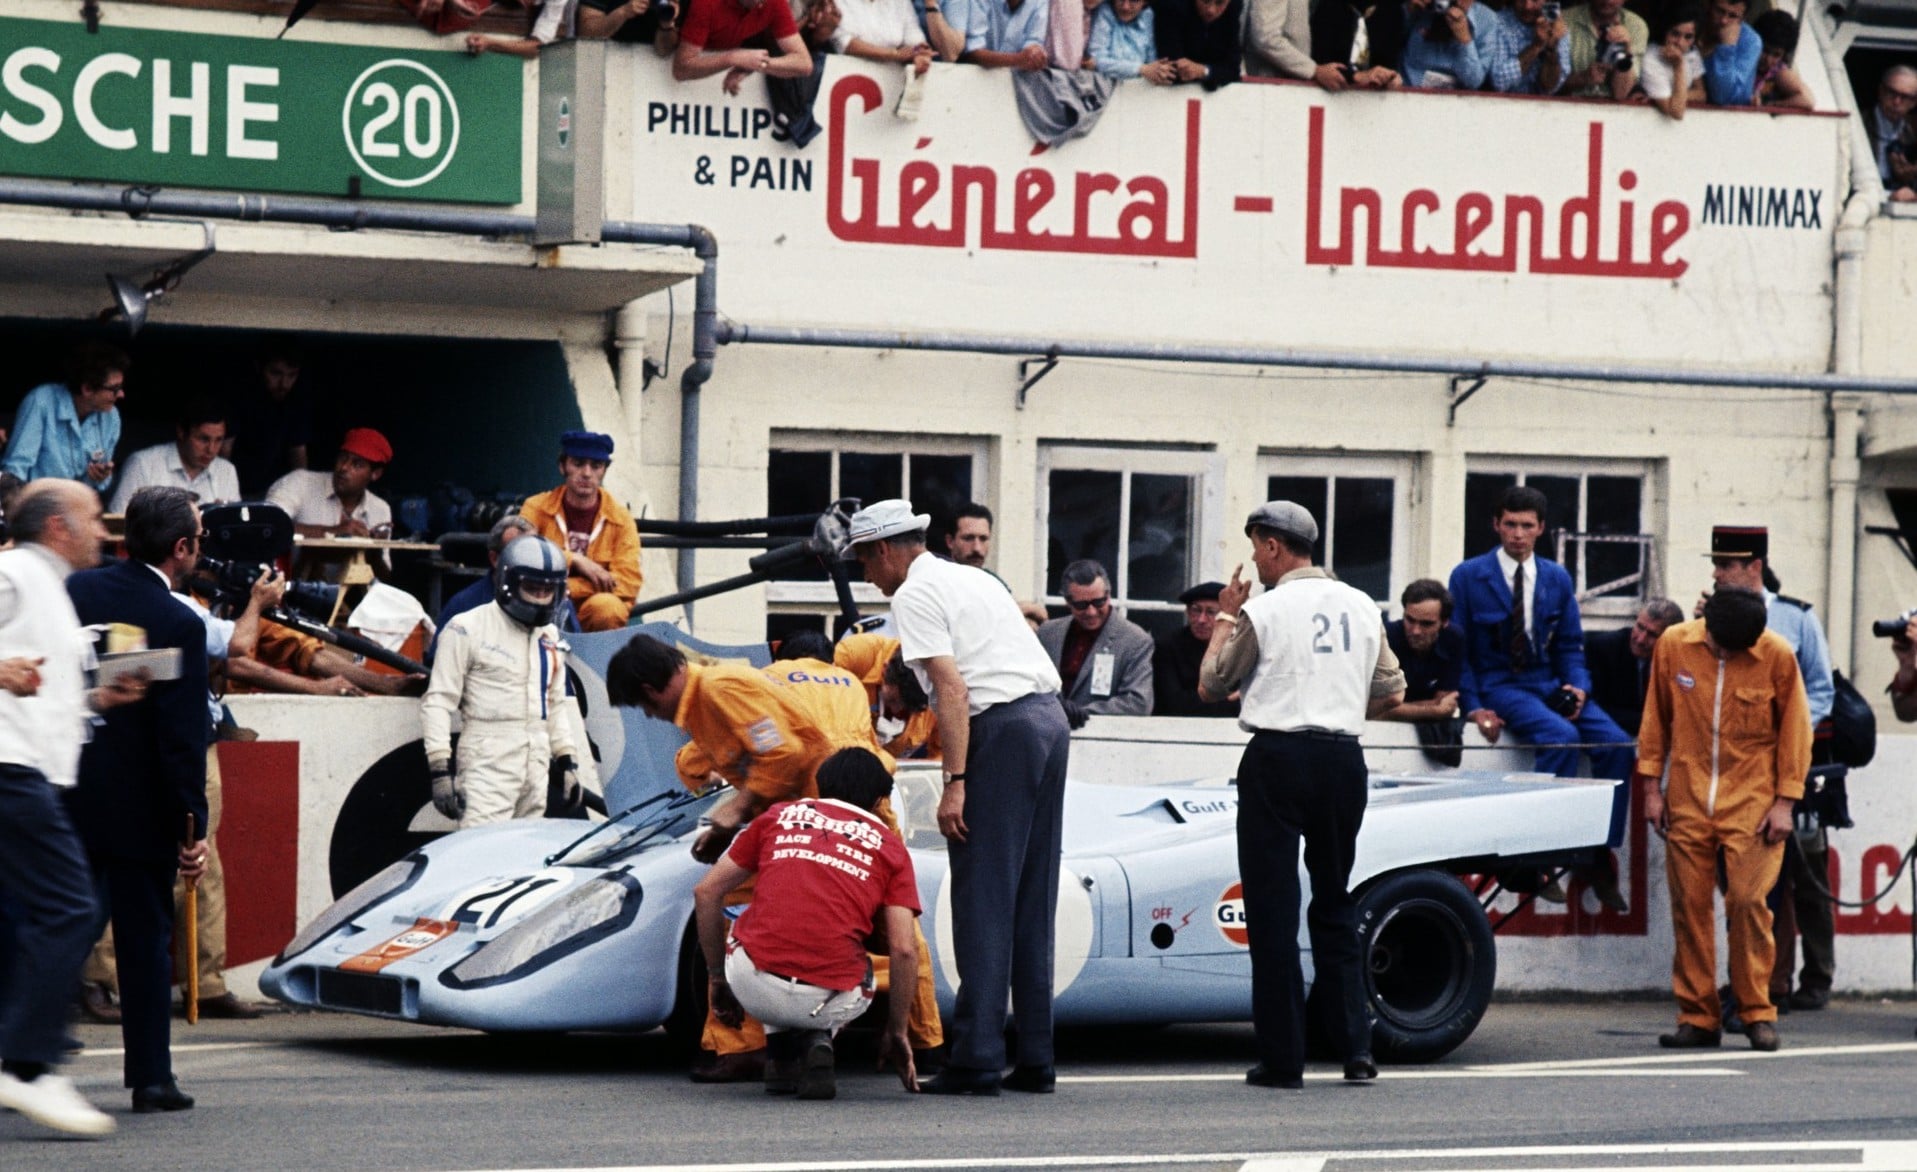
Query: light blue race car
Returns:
{"type": "Point", "coordinates": [552, 924]}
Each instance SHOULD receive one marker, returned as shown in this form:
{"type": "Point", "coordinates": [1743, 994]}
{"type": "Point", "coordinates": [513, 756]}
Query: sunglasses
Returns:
{"type": "Point", "coordinates": [1090, 603]}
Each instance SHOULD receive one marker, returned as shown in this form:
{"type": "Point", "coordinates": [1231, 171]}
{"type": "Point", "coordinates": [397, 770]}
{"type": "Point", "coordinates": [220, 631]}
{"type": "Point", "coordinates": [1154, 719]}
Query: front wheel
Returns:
{"type": "Point", "coordinates": [1429, 964]}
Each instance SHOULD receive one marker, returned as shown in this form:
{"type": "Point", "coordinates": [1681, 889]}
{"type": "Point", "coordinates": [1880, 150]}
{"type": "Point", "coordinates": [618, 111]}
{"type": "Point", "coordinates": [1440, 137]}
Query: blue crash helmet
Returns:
{"type": "Point", "coordinates": [530, 561]}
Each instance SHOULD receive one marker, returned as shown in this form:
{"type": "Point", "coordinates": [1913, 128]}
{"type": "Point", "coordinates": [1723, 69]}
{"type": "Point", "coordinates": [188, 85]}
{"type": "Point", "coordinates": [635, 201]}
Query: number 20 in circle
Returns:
{"type": "Point", "coordinates": [401, 123]}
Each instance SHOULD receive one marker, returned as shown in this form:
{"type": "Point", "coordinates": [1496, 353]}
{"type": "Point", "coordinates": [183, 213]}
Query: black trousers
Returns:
{"type": "Point", "coordinates": [1294, 786]}
{"type": "Point", "coordinates": [49, 896]}
{"type": "Point", "coordinates": [1005, 881]}
{"type": "Point", "coordinates": [138, 894]}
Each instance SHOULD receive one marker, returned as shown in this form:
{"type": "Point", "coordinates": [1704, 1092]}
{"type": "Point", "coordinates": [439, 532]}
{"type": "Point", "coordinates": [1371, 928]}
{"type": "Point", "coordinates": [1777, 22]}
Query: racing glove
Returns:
{"type": "Point", "coordinates": [446, 796]}
{"type": "Point", "coordinates": [1075, 714]}
{"type": "Point", "coordinates": [566, 771]}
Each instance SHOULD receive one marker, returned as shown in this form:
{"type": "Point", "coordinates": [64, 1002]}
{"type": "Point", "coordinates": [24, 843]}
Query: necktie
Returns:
{"type": "Point", "coordinates": [1520, 638]}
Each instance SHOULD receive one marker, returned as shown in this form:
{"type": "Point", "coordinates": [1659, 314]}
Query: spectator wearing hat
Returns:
{"type": "Point", "coordinates": [1430, 652]}
{"type": "Point", "coordinates": [1104, 660]}
{"type": "Point", "coordinates": [1177, 654]}
{"type": "Point", "coordinates": [1006, 743]}
{"type": "Point", "coordinates": [598, 534]}
{"type": "Point", "coordinates": [339, 503]}
{"type": "Point", "coordinates": [1310, 659]}
{"type": "Point", "coordinates": [1740, 560]}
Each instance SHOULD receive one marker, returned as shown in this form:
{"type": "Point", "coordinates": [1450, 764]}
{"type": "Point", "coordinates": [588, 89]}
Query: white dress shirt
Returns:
{"type": "Point", "coordinates": [161, 465]}
{"type": "Point", "coordinates": [945, 608]}
{"type": "Point", "coordinates": [309, 499]}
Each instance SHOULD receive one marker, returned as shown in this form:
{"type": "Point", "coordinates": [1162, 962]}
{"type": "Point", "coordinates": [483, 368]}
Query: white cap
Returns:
{"type": "Point", "coordinates": [883, 519]}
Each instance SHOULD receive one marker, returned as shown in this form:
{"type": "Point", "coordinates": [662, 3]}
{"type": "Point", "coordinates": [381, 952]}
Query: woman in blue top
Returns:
{"type": "Point", "coordinates": [1731, 49]}
{"type": "Point", "coordinates": [1124, 43]}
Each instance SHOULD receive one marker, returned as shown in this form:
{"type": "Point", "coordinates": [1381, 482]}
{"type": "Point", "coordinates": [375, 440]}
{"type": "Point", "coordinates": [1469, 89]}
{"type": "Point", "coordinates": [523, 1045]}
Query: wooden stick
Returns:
{"type": "Point", "coordinates": [191, 914]}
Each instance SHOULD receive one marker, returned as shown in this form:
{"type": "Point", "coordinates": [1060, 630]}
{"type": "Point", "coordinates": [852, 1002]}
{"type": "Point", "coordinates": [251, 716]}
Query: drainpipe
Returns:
{"type": "Point", "coordinates": [1846, 430]}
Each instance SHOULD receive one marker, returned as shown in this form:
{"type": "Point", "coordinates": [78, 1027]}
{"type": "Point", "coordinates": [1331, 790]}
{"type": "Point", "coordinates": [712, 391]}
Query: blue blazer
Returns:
{"type": "Point", "coordinates": [145, 769]}
{"type": "Point", "coordinates": [1482, 608]}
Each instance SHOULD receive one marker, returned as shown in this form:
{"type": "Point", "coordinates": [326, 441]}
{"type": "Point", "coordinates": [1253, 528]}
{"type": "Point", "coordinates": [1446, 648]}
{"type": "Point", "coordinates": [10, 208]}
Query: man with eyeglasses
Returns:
{"type": "Point", "coordinates": [1104, 660]}
{"type": "Point", "coordinates": [1893, 140]}
{"type": "Point", "coordinates": [67, 431]}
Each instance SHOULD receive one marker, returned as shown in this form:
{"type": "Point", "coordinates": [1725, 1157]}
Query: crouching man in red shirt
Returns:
{"type": "Point", "coordinates": [831, 877]}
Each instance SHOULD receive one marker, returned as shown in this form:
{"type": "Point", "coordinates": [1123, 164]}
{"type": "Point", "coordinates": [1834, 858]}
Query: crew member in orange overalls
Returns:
{"type": "Point", "coordinates": [756, 737]}
{"type": "Point", "coordinates": [902, 716]}
{"type": "Point", "coordinates": [1725, 712]}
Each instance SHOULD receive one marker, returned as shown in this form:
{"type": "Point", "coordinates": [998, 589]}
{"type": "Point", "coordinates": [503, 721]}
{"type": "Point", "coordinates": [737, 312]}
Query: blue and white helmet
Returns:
{"type": "Point", "coordinates": [527, 561]}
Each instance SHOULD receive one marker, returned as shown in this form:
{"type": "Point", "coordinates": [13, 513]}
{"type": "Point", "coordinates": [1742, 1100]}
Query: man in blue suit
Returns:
{"type": "Point", "coordinates": [1524, 653]}
{"type": "Point", "coordinates": [144, 774]}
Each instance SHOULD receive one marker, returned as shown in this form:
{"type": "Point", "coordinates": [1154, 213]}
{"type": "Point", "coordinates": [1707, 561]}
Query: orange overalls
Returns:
{"type": "Point", "coordinates": [613, 543]}
{"type": "Point", "coordinates": [865, 656]}
{"type": "Point", "coordinates": [1736, 735]}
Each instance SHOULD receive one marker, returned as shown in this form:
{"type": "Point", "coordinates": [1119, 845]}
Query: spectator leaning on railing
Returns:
{"type": "Point", "coordinates": [1124, 43]}
{"type": "Point", "coordinates": [1278, 44]}
{"type": "Point", "coordinates": [1068, 31]}
{"type": "Point", "coordinates": [1528, 51]}
{"type": "Point", "coordinates": [1201, 39]}
{"type": "Point", "coordinates": [1730, 49]}
{"type": "Point", "coordinates": [1367, 41]}
{"type": "Point", "coordinates": [715, 34]}
{"type": "Point", "coordinates": [882, 30]}
{"type": "Point", "coordinates": [1893, 139]}
{"type": "Point", "coordinates": [1000, 34]}
{"type": "Point", "coordinates": [1608, 46]}
{"type": "Point", "coordinates": [1672, 76]}
{"type": "Point", "coordinates": [1445, 49]}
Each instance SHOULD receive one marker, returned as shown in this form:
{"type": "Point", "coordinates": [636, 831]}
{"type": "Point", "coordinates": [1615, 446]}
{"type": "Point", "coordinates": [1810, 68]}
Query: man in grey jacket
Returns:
{"type": "Point", "coordinates": [1104, 660]}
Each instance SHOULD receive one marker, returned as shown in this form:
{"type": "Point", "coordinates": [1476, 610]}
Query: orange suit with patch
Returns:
{"type": "Point", "coordinates": [1736, 736]}
{"type": "Point", "coordinates": [865, 656]}
{"type": "Point", "coordinates": [613, 543]}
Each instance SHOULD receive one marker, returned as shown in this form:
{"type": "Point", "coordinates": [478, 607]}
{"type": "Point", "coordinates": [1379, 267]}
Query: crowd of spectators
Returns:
{"type": "Point", "coordinates": [1671, 54]}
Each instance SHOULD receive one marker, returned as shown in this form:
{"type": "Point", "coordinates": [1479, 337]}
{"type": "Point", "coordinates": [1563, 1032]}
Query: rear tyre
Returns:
{"type": "Point", "coordinates": [687, 1021]}
{"type": "Point", "coordinates": [1429, 963]}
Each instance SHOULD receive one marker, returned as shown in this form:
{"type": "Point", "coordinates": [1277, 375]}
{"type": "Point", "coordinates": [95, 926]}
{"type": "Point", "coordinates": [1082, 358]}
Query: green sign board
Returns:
{"type": "Point", "coordinates": [189, 110]}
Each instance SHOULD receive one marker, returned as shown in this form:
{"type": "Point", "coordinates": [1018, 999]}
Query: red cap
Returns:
{"type": "Point", "coordinates": [368, 445]}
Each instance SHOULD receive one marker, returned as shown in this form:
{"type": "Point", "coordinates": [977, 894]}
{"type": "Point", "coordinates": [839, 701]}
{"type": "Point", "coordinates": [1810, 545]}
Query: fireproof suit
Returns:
{"type": "Point", "coordinates": [834, 699]}
{"type": "Point", "coordinates": [865, 656]}
{"type": "Point", "coordinates": [756, 736]}
{"type": "Point", "coordinates": [1736, 737]}
{"type": "Point", "coordinates": [508, 684]}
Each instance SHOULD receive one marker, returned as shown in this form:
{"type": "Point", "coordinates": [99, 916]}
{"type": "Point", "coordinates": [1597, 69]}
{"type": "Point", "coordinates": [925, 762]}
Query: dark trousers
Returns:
{"type": "Point", "coordinates": [1293, 786]}
{"type": "Point", "coordinates": [1804, 917]}
{"type": "Point", "coordinates": [49, 896]}
{"type": "Point", "coordinates": [139, 897]}
{"type": "Point", "coordinates": [1522, 708]}
{"type": "Point", "coordinates": [1005, 881]}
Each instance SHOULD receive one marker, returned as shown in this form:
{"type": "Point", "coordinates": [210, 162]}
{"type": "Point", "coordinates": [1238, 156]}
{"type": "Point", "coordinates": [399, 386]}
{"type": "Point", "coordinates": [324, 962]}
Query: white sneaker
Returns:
{"type": "Point", "coordinates": [52, 1101]}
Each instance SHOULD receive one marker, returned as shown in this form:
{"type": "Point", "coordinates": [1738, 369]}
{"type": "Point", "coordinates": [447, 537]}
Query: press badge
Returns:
{"type": "Point", "coordinates": [1103, 664]}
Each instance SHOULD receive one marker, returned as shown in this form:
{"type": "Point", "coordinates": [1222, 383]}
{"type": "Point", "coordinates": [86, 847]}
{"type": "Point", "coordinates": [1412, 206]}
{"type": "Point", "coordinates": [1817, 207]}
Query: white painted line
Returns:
{"type": "Point", "coordinates": [1075, 1161]}
{"type": "Point", "coordinates": [1728, 1054]}
{"type": "Point", "coordinates": [1405, 1074]}
{"type": "Point", "coordinates": [191, 1048]}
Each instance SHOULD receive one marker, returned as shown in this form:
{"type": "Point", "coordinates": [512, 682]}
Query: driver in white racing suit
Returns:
{"type": "Point", "coordinates": [502, 667]}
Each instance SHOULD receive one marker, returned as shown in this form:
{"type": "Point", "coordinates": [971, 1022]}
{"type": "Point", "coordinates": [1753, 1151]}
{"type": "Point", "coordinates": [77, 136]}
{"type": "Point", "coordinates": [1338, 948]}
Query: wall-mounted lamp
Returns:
{"type": "Point", "coordinates": [132, 299]}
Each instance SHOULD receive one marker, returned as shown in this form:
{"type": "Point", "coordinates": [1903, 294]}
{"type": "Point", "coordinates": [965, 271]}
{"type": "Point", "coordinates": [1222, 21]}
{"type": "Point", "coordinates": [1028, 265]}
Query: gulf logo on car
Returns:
{"type": "Point", "coordinates": [1229, 915]}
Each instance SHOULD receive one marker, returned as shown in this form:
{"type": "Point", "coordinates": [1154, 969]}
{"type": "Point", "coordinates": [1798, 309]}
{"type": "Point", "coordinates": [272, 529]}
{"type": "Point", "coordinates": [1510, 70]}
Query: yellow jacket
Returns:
{"type": "Point", "coordinates": [1735, 732]}
{"type": "Point", "coordinates": [834, 698]}
{"type": "Point", "coordinates": [749, 731]}
{"type": "Point", "coordinates": [614, 544]}
{"type": "Point", "coordinates": [865, 656]}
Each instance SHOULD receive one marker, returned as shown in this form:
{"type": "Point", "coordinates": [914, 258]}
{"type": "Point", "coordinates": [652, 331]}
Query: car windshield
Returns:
{"type": "Point", "coordinates": [915, 799]}
{"type": "Point", "coordinates": [659, 818]}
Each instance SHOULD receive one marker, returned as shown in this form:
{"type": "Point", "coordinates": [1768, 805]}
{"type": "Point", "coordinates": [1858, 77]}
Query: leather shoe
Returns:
{"type": "Point", "coordinates": [161, 1096]}
{"type": "Point", "coordinates": [1262, 1076]}
{"type": "Point", "coordinates": [957, 1080]}
{"type": "Point", "coordinates": [1810, 999]}
{"type": "Point", "coordinates": [1032, 1080]}
{"type": "Point", "coordinates": [930, 1060]}
{"type": "Point", "coordinates": [744, 1066]}
{"type": "Point", "coordinates": [1360, 1068]}
{"type": "Point", "coordinates": [228, 1006]}
{"type": "Point", "coordinates": [97, 1003]}
{"type": "Point", "coordinates": [1763, 1035]}
{"type": "Point", "coordinates": [1690, 1037]}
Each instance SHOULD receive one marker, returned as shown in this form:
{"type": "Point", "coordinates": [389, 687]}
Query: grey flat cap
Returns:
{"type": "Point", "coordinates": [1285, 517]}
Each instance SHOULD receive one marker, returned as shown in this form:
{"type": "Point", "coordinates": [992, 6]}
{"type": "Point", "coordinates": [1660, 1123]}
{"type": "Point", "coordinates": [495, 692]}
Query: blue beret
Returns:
{"type": "Point", "coordinates": [586, 445]}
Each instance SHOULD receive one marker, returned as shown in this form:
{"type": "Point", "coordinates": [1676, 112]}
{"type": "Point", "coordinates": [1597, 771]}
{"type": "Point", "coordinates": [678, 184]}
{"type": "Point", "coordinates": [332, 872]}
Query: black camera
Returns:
{"type": "Point", "coordinates": [238, 542]}
{"type": "Point", "coordinates": [1893, 628]}
{"type": "Point", "coordinates": [1563, 702]}
{"type": "Point", "coordinates": [1615, 57]}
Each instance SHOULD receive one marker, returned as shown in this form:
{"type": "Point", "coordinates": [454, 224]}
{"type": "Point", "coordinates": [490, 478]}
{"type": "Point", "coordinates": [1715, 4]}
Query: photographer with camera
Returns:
{"type": "Point", "coordinates": [1903, 686]}
{"type": "Point", "coordinates": [1607, 43]}
{"type": "Point", "coordinates": [1528, 51]}
{"type": "Point", "coordinates": [1444, 49]}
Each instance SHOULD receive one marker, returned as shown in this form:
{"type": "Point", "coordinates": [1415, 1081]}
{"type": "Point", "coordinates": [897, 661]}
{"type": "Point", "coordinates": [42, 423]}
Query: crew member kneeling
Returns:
{"type": "Point", "coordinates": [833, 875]}
{"type": "Point", "coordinates": [502, 667]}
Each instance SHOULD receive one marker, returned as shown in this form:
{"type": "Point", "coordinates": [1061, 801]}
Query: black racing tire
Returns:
{"type": "Point", "coordinates": [687, 1022]}
{"type": "Point", "coordinates": [1429, 963]}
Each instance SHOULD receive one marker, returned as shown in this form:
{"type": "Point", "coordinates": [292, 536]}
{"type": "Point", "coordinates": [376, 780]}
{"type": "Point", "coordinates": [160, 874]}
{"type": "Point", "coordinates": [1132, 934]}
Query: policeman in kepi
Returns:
{"type": "Point", "coordinates": [502, 667]}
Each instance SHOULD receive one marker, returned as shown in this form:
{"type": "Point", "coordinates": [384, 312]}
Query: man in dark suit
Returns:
{"type": "Point", "coordinates": [144, 775]}
{"type": "Point", "coordinates": [1524, 652]}
{"type": "Point", "coordinates": [1620, 662]}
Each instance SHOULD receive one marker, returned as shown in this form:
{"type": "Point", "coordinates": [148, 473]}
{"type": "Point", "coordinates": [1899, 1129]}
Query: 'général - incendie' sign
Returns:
{"type": "Point", "coordinates": [241, 113]}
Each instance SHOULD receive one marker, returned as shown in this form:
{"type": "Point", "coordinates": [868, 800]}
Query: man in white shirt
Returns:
{"type": "Point", "coordinates": [44, 875]}
{"type": "Point", "coordinates": [192, 461]}
{"type": "Point", "coordinates": [1310, 660]}
{"type": "Point", "coordinates": [339, 503]}
{"type": "Point", "coordinates": [995, 693]}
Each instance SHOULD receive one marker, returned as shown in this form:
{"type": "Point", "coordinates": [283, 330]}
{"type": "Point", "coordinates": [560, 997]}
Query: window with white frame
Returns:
{"type": "Point", "coordinates": [807, 471]}
{"type": "Point", "coordinates": [1363, 507]}
{"type": "Point", "coordinates": [1602, 507]}
{"type": "Point", "coordinates": [1143, 513]}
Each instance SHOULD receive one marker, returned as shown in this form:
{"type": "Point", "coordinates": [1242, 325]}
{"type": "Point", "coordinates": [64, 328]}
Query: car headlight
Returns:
{"type": "Point", "coordinates": [589, 912]}
{"type": "Point", "coordinates": [383, 886]}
